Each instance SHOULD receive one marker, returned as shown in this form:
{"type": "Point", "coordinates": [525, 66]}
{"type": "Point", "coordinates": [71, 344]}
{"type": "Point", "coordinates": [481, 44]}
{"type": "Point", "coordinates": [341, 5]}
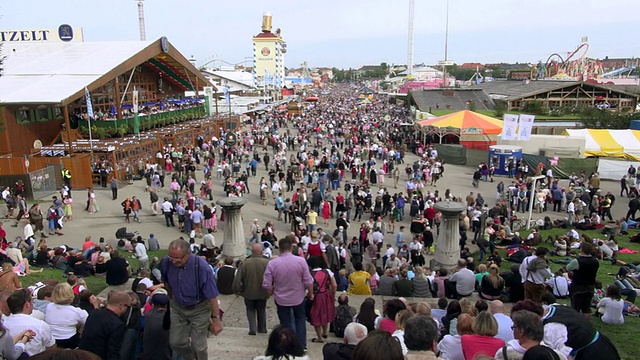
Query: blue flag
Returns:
{"type": "Point", "coordinates": [227, 95]}
{"type": "Point", "coordinates": [89, 106]}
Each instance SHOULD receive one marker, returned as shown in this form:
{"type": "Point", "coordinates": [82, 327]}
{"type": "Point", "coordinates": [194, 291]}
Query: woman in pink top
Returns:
{"type": "Point", "coordinates": [373, 280]}
{"type": "Point", "coordinates": [439, 281]}
{"type": "Point", "coordinates": [482, 342]}
{"type": "Point", "coordinates": [391, 309]}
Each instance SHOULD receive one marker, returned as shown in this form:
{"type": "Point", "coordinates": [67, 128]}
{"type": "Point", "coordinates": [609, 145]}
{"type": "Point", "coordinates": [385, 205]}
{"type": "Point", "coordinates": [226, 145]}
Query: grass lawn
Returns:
{"type": "Point", "coordinates": [95, 284]}
{"type": "Point", "coordinates": [622, 336]}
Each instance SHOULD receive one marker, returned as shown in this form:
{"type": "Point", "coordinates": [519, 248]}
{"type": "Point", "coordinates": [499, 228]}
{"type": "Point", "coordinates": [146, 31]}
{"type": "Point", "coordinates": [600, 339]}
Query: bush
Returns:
{"type": "Point", "coordinates": [500, 109]}
{"type": "Point", "coordinates": [471, 106]}
{"type": "Point", "coordinates": [535, 108]}
{"type": "Point", "coordinates": [123, 130]}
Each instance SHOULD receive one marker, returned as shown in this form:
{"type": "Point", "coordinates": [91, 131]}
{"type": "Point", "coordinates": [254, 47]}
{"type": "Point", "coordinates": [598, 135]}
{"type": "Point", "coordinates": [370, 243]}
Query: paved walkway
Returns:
{"type": "Point", "coordinates": [234, 342]}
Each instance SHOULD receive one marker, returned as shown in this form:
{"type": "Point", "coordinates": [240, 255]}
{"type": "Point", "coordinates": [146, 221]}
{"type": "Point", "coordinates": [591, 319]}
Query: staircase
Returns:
{"type": "Point", "coordinates": [234, 342]}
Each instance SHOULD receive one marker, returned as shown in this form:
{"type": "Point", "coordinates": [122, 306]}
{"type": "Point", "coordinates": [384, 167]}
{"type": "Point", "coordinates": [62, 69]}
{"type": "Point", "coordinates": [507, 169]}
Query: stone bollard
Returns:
{"type": "Point", "coordinates": [234, 244]}
{"type": "Point", "coordinates": [448, 241]}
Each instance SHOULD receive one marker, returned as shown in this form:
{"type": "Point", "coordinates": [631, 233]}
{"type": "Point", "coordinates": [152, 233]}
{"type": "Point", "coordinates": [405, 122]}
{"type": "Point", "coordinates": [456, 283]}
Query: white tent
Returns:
{"type": "Point", "coordinates": [610, 143]}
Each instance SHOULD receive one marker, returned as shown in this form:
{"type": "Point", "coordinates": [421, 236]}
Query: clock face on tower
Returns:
{"type": "Point", "coordinates": [265, 51]}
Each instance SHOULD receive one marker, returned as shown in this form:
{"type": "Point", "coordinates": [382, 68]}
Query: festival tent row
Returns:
{"type": "Point", "coordinates": [469, 129]}
{"type": "Point", "coordinates": [610, 143]}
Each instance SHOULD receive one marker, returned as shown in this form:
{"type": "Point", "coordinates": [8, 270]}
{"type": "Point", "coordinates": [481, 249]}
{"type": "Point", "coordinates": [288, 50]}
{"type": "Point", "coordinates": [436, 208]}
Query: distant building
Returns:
{"type": "Point", "coordinates": [471, 66]}
{"type": "Point", "coordinates": [424, 73]}
{"type": "Point", "coordinates": [450, 99]}
{"type": "Point", "coordinates": [617, 63]}
{"type": "Point", "coordinates": [555, 94]}
{"type": "Point", "coordinates": [366, 68]}
{"type": "Point", "coordinates": [505, 66]}
{"type": "Point", "coordinates": [236, 81]}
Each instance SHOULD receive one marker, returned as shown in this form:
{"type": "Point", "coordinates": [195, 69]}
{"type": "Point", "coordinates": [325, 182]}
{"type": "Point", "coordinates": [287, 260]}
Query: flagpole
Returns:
{"type": "Point", "coordinates": [89, 116]}
{"type": "Point", "coordinates": [90, 140]}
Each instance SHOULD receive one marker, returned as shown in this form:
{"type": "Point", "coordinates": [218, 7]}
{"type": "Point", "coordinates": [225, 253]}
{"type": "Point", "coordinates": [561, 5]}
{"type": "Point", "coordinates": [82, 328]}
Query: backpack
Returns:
{"type": "Point", "coordinates": [343, 318]}
{"type": "Point", "coordinates": [134, 285]}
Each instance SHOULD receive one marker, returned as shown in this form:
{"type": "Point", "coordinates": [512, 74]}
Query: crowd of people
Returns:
{"type": "Point", "coordinates": [336, 164]}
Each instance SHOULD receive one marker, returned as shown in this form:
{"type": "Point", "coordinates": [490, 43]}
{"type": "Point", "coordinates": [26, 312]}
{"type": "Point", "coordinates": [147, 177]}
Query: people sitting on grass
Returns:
{"type": "Point", "coordinates": [611, 307]}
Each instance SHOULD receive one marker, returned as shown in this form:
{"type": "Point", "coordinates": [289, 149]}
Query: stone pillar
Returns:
{"type": "Point", "coordinates": [448, 242]}
{"type": "Point", "coordinates": [234, 244]}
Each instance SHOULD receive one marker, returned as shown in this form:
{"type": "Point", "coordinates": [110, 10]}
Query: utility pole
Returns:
{"type": "Point", "coordinates": [143, 33]}
{"type": "Point", "coordinates": [446, 46]}
{"type": "Point", "coordinates": [412, 8]}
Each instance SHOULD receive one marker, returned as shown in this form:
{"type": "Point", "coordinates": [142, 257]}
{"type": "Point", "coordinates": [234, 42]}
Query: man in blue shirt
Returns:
{"type": "Point", "coordinates": [194, 300]}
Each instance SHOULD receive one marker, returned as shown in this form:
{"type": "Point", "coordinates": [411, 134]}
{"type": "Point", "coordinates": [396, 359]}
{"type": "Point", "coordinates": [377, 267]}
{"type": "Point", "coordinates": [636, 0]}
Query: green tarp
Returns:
{"type": "Point", "coordinates": [566, 167]}
{"type": "Point", "coordinates": [452, 154]}
{"type": "Point", "coordinates": [458, 155]}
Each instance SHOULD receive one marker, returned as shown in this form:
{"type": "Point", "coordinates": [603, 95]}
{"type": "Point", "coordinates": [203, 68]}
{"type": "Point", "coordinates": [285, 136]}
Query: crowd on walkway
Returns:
{"type": "Point", "coordinates": [338, 163]}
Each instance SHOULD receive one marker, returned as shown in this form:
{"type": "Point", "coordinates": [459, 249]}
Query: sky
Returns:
{"type": "Point", "coordinates": [351, 33]}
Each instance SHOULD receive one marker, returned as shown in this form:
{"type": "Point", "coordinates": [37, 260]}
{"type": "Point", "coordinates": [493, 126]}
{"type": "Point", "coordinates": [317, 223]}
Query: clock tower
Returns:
{"type": "Point", "coordinates": [268, 56]}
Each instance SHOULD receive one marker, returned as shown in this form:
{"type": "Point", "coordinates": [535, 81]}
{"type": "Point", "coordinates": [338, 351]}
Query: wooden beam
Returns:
{"type": "Point", "coordinates": [65, 113]}
{"type": "Point", "coordinates": [117, 96]}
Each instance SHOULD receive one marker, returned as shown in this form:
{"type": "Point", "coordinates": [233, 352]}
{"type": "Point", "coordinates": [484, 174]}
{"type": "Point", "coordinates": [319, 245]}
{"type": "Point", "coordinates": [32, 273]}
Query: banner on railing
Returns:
{"type": "Point", "coordinates": [525, 127]}
{"type": "Point", "coordinates": [509, 126]}
{"type": "Point", "coordinates": [135, 101]}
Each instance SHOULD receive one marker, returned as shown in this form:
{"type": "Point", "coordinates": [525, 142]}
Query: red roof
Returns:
{"type": "Point", "coordinates": [266, 35]}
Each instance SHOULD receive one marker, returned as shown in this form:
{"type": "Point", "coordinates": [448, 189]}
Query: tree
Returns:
{"type": "Point", "coordinates": [338, 74]}
{"type": "Point", "coordinates": [500, 108]}
{"type": "Point", "coordinates": [535, 107]}
{"type": "Point", "coordinates": [460, 74]}
{"type": "Point", "coordinates": [496, 72]}
{"type": "Point", "coordinates": [594, 118]}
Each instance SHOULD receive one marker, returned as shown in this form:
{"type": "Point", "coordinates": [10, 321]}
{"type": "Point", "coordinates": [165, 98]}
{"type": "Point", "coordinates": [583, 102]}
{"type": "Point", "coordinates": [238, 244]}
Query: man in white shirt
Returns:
{"type": "Point", "coordinates": [167, 210]}
{"type": "Point", "coordinates": [559, 284]}
{"type": "Point", "coordinates": [496, 307]}
{"type": "Point", "coordinates": [571, 212]}
{"type": "Point", "coordinates": [275, 190]}
{"type": "Point", "coordinates": [377, 237]}
{"type": "Point", "coordinates": [305, 239]}
{"type": "Point", "coordinates": [387, 254]}
{"type": "Point", "coordinates": [461, 283]}
{"type": "Point", "coordinates": [573, 234]}
{"type": "Point", "coordinates": [20, 305]}
{"type": "Point", "coordinates": [534, 271]}
{"type": "Point", "coordinates": [140, 253]}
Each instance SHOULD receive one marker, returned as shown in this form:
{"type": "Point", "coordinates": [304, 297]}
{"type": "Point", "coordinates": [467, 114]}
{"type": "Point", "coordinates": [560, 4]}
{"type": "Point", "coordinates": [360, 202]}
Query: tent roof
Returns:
{"type": "Point", "coordinates": [468, 122]}
{"type": "Point", "coordinates": [610, 143]}
{"type": "Point", "coordinates": [58, 72]}
{"type": "Point", "coordinates": [366, 90]}
{"type": "Point", "coordinates": [455, 99]}
{"type": "Point", "coordinates": [514, 90]}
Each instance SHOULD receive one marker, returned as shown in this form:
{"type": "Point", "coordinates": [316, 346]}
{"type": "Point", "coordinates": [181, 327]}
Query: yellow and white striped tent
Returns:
{"type": "Point", "coordinates": [609, 143]}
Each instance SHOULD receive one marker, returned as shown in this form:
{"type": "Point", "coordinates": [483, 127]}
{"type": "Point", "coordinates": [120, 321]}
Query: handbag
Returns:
{"type": "Point", "coordinates": [308, 304]}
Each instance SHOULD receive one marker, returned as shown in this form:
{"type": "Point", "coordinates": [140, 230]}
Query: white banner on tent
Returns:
{"type": "Point", "coordinates": [614, 169]}
{"type": "Point", "coordinates": [509, 126]}
{"type": "Point", "coordinates": [525, 127]}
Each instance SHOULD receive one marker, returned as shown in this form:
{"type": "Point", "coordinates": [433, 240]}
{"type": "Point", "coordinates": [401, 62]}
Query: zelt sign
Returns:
{"type": "Point", "coordinates": [64, 33]}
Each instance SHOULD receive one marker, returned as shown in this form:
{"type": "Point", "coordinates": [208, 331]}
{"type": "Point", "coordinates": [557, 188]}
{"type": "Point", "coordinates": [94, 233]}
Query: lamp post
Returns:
{"type": "Point", "coordinates": [228, 96]}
